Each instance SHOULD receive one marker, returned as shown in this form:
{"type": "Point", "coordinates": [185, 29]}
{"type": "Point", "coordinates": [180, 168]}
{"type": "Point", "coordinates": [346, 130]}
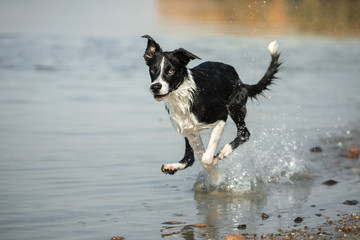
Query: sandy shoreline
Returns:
{"type": "Point", "coordinates": [347, 226]}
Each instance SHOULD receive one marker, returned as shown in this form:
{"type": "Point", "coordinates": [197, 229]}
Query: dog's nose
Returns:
{"type": "Point", "coordinates": [155, 88]}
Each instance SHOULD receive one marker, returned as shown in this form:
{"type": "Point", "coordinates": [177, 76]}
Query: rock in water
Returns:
{"type": "Point", "coordinates": [235, 237]}
{"type": "Point", "coordinates": [264, 216]}
{"type": "Point", "coordinates": [117, 238]}
{"type": "Point", "coordinates": [316, 149]}
{"type": "Point", "coordinates": [242, 227]}
{"type": "Point", "coordinates": [351, 202]}
{"type": "Point", "coordinates": [353, 153]}
{"type": "Point", "coordinates": [201, 225]}
{"type": "Point", "coordinates": [330, 182]}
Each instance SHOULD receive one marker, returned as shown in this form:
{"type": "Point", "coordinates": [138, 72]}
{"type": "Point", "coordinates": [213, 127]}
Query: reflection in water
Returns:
{"type": "Point", "coordinates": [177, 229]}
{"type": "Point", "coordinates": [337, 18]}
{"type": "Point", "coordinates": [224, 212]}
{"type": "Point", "coordinates": [248, 208]}
{"type": "Point", "coordinates": [216, 207]}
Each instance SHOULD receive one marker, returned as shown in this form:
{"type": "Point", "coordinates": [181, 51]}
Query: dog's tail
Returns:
{"type": "Point", "coordinates": [267, 79]}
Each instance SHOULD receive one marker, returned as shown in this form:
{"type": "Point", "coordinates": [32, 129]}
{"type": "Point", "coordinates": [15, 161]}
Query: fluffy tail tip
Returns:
{"type": "Point", "coordinates": [273, 48]}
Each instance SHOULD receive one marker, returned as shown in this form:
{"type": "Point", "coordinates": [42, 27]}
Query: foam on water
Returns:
{"type": "Point", "coordinates": [274, 156]}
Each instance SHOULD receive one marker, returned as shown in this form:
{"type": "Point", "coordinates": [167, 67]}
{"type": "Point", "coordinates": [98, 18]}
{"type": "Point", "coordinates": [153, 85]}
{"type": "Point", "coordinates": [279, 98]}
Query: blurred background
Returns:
{"type": "Point", "coordinates": [284, 17]}
{"type": "Point", "coordinates": [196, 17]}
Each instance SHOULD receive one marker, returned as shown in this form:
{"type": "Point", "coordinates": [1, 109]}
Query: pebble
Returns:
{"type": "Point", "coordinates": [353, 153]}
{"type": "Point", "coordinates": [316, 149]}
{"type": "Point", "coordinates": [264, 216]}
{"type": "Point", "coordinates": [351, 202]}
{"type": "Point", "coordinates": [242, 226]}
{"type": "Point", "coordinates": [117, 238]}
{"type": "Point", "coordinates": [235, 237]}
{"type": "Point", "coordinates": [349, 228]}
{"type": "Point", "coordinates": [298, 220]}
{"type": "Point", "coordinates": [330, 182]}
{"type": "Point", "coordinates": [201, 225]}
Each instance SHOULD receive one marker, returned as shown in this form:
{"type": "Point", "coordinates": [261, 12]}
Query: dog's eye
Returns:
{"type": "Point", "coordinates": [171, 71]}
{"type": "Point", "coordinates": [153, 70]}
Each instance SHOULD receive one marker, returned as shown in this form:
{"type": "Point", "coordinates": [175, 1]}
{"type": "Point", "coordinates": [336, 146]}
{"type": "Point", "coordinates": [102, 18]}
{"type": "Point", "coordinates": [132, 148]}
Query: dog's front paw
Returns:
{"type": "Point", "coordinates": [225, 151]}
{"type": "Point", "coordinates": [173, 168]}
{"type": "Point", "coordinates": [168, 169]}
{"type": "Point", "coordinates": [208, 160]}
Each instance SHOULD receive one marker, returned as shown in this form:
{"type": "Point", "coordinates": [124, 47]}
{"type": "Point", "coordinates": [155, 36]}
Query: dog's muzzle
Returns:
{"type": "Point", "coordinates": [156, 91]}
{"type": "Point", "coordinates": [155, 88]}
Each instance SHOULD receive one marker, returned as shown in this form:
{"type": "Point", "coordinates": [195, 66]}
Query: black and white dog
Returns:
{"type": "Point", "coordinates": [201, 98]}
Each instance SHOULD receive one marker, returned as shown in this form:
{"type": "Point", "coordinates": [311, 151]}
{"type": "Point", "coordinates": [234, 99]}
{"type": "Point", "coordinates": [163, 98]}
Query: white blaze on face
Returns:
{"type": "Point", "coordinates": [165, 86]}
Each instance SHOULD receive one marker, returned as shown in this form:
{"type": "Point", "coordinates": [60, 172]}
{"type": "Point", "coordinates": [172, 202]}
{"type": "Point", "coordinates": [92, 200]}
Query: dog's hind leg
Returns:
{"type": "Point", "coordinates": [187, 161]}
{"type": "Point", "coordinates": [237, 113]}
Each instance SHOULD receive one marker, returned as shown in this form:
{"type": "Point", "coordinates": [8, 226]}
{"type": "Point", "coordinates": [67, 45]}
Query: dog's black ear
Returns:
{"type": "Point", "coordinates": [184, 56]}
{"type": "Point", "coordinates": [151, 49]}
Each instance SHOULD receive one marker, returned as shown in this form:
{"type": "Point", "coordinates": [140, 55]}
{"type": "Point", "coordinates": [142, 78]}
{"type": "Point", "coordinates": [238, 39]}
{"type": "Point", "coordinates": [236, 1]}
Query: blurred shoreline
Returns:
{"type": "Point", "coordinates": [110, 18]}
{"type": "Point", "coordinates": [282, 17]}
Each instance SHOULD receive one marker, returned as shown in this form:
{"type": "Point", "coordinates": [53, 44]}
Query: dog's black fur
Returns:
{"type": "Point", "coordinates": [210, 92]}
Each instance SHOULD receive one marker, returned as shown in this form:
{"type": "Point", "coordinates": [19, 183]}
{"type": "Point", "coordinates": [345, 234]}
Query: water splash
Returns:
{"type": "Point", "coordinates": [274, 156]}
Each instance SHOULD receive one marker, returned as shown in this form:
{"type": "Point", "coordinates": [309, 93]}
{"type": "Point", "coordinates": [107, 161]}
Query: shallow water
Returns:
{"type": "Point", "coordinates": [82, 141]}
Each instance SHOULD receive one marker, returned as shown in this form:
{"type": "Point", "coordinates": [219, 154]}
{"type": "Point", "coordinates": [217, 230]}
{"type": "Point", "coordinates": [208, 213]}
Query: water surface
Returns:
{"type": "Point", "coordinates": [82, 141]}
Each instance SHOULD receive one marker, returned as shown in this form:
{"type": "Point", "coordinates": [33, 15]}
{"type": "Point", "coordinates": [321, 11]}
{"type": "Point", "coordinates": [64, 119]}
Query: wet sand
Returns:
{"type": "Point", "coordinates": [345, 226]}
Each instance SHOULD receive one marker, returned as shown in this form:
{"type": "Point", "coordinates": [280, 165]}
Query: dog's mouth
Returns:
{"type": "Point", "coordinates": [159, 97]}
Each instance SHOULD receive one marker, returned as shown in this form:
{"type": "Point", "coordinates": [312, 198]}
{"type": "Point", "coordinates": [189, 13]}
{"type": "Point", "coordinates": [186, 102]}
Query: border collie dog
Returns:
{"type": "Point", "coordinates": [202, 97]}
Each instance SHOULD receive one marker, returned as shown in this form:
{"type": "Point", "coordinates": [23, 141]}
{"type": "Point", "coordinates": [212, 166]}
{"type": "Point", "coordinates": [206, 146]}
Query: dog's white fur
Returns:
{"type": "Point", "coordinates": [178, 104]}
{"type": "Point", "coordinates": [185, 122]}
{"type": "Point", "coordinates": [273, 48]}
{"type": "Point", "coordinates": [164, 85]}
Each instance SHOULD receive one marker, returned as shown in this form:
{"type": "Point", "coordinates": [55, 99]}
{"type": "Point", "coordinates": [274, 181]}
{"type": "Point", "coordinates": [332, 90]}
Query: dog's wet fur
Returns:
{"type": "Point", "coordinates": [203, 97]}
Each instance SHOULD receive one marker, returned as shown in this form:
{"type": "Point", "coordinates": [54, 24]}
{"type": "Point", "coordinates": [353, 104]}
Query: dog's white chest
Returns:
{"type": "Point", "coordinates": [179, 103]}
{"type": "Point", "coordinates": [181, 118]}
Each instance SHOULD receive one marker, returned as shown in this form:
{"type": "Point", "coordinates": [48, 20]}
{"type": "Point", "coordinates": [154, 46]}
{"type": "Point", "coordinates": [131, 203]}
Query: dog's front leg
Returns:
{"type": "Point", "coordinates": [197, 145]}
{"type": "Point", "coordinates": [187, 161]}
{"type": "Point", "coordinates": [208, 158]}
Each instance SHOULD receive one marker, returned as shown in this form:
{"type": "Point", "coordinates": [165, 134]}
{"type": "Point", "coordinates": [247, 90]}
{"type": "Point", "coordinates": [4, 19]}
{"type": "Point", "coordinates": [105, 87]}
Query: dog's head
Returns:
{"type": "Point", "coordinates": [167, 69]}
